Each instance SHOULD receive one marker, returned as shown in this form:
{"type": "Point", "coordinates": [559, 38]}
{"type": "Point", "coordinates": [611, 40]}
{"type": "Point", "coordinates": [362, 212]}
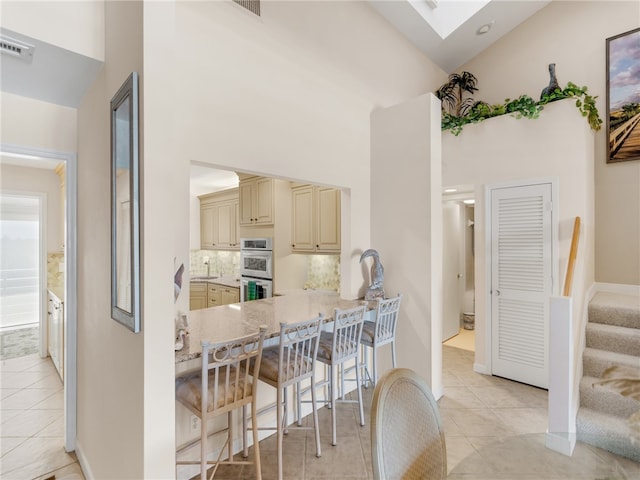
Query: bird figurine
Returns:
{"type": "Point", "coordinates": [553, 82]}
{"type": "Point", "coordinates": [375, 290]}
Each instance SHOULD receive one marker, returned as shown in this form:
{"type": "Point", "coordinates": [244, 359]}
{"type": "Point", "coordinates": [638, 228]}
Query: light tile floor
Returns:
{"type": "Point", "coordinates": [31, 416]}
{"type": "Point", "coordinates": [494, 430]}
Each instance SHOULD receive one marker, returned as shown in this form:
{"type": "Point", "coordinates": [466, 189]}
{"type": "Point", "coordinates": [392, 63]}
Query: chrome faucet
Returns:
{"type": "Point", "coordinates": [208, 268]}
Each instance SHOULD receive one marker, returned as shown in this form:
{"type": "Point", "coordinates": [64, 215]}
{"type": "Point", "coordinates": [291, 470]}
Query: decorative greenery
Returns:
{"type": "Point", "coordinates": [451, 93]}
{"type": "Point", "coordinates": [522, 107]}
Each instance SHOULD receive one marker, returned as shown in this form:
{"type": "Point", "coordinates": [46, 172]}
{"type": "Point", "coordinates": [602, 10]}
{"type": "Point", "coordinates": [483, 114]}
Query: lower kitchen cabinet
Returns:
{"type": "Point", "coordinates": [197, 295]}
{"type": "Point", "coordinates": [230, 295]}
{"type": "Point", "coordinates": [207, 294]}
{"type": "Point", "coordinates": [55, 330]}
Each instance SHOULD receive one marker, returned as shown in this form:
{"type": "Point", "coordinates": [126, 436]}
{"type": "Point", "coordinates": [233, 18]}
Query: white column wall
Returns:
{"type": "Point", "coordinates": [112, 399]}
{"type": "Point", "coordinates": [406, 228]}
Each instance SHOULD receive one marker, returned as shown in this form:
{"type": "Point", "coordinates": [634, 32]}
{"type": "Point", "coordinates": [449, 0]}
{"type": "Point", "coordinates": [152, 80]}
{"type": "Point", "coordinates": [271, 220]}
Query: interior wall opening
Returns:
{"type": "Point", "coordinates": [458, 267]}
{"type": "Point", "coordinates": [20, 275]}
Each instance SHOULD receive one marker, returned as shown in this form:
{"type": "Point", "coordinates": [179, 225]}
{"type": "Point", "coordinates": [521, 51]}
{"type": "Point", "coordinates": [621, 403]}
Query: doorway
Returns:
{"type": "Point", "coordinates": [523, 238]}
{"type": "Point", "coordinates": [458, 267]}
{"type": "Point", "coordinates": [21, 222]}
{"type": "Point", "coordinates": [23, 156]}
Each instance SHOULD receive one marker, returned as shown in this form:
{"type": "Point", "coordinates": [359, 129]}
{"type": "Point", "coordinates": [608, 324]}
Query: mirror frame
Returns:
{"type": "Point", "coordinates": [128, 152]}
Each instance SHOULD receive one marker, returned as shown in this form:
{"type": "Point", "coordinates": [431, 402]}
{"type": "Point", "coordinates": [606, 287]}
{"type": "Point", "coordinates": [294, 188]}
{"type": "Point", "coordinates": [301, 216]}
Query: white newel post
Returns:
{"type": "Point", "coordinates": [561, 432]}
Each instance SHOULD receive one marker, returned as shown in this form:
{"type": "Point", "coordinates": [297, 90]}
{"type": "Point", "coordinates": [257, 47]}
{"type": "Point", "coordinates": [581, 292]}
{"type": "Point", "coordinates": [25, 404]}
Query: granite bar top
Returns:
{"type": "Point", "coordinates": [226, 322]}
{"type": "Point", "coordinates": [226, 280]}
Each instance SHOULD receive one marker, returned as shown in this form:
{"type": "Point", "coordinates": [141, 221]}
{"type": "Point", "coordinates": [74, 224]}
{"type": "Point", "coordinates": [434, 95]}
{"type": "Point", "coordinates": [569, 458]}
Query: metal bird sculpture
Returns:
{"type": "Point", "coordinates": [375, 290]}
{"type": "Point", "coordinates": [553, 82]}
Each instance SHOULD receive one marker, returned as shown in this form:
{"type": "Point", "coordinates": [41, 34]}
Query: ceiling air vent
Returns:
{"type": "Point", "coordinates": [16, 49]}
{"type": "Point", "coordinates": [252, 5]}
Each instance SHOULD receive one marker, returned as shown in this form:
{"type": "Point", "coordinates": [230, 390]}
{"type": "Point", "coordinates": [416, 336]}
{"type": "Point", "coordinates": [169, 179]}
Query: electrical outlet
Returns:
{"type": "Point", "coordinates": [195, 422]}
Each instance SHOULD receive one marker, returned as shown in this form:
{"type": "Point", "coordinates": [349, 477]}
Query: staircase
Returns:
{"type": "Point", "coordinates": [612, 338]}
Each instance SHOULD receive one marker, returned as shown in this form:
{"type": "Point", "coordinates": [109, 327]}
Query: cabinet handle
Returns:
{"type": "Point", "coordinates": [317, 246]}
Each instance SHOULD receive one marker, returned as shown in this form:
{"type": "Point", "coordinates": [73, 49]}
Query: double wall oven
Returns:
{"type": "Point", "coordinates": [256, 268]}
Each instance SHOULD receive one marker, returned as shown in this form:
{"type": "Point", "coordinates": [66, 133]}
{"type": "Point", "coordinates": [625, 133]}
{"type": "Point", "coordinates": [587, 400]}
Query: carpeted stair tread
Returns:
{"type": "Point", "coordinates": [615, 309]}
{"type": "Point", "coordinates": [605, 401]}
{"type": "Point", "coordinates": [613, 338]}
{"type": "Point", "coordinates": [596, 361]}
{"type": "Point", "coordinates": [608, 432]}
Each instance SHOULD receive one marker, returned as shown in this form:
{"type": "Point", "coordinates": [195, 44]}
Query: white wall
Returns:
{"type": "Point", "coordinates": [278, 100]}
{"type": "Point", "coordinates": [30, 180]}
{"type": "Point", "coordinates": [288, 95]}
{"type": "Point", "coordinates": [75, 26]}
{"type": "Point", "coordinates": [406, 228]}
{"type": "Point", "coordinates": [572, 34]}
{"type": "Point", "coordinates": [506, 149]}
{"type": "Point", "coordinates": [40, 125]}
{"type": "Point", "coordinates": [111, 363]}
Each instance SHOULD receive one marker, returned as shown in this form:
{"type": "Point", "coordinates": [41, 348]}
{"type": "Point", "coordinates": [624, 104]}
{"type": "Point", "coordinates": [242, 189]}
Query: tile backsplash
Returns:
{"type": "Point", "coordinates": [323, 272]}
{"type": "Point", "coordinates": [55, 270]}
{"type": "Point", "coordinates": [220, 262]}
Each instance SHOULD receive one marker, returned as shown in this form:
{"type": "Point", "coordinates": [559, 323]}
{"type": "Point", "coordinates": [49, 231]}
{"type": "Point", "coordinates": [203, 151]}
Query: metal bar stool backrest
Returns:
{"type": "Point", "coordinates": [298, 351]}
{"type": "Point", "coordinates": [387, 320]}
{"type": "Point", "coordinates": [347, 333]}
{"type": "Point", "coordinates": [223, 384]}
{"type": "Point", "coordinates": [228, 383]}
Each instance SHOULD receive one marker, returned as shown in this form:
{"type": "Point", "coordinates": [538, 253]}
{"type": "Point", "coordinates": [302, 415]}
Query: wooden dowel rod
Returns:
{"type": "Point", "coordinates": [568, 282]}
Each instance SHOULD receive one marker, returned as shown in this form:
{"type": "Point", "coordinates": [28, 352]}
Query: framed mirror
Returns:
{"type": "Point", "coordinates": [125, 206]}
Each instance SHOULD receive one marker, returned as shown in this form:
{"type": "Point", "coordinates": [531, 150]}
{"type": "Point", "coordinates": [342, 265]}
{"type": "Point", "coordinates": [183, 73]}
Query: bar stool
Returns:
{"type": "Point", "coordinates": [381, 331]}
{"type": "Point", "coordinates": [222, 385]}
{"type": "Point", "coordinates": [336, 348]}
{"type": "Point", "coordinates": [287, 364]}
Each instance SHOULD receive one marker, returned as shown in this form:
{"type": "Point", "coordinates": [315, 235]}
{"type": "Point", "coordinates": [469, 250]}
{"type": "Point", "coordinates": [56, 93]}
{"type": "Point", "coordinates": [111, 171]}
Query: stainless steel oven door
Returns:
{"type": "Point", "coordinates": [255, 289]}
{"type": "Point", "coordinates": [256, 264]}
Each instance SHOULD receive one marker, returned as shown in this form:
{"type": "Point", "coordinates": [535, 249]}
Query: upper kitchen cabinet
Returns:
{"type": "Point", "coordinates": [315, 220]}
{"type": "Point", "coordinates": [256, 201]}
{"type": "Point", "coordinates": [219, 220]}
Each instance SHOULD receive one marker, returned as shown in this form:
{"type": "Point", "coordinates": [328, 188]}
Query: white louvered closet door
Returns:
{"type": "Point", "coordinates": [521, 282]}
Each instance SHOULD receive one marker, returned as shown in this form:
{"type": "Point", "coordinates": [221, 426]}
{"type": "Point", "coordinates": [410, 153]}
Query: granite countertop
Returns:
{"type": "Point", "coordinates": [226, 322]}
{"type": "Point", "coordinates": [226, 280]}
{"type": "Point", "coordinates": [57, 291]}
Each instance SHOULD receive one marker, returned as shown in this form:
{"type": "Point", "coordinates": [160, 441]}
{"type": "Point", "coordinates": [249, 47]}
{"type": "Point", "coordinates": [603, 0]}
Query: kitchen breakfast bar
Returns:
{"type": "Point", "coordinates": [227, 322]}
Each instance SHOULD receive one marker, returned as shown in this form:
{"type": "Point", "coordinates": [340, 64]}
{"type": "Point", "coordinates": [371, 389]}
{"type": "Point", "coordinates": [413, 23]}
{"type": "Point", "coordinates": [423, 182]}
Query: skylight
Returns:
{"type": "Point", "coordinates": [448, 15]}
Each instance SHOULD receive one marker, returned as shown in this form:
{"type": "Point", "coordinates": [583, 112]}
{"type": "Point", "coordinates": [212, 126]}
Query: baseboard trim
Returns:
{"type": "Point", "coordinates": [563, 443]}
{"type": "Point", "coordinates": [618, 288]}
{"type": "Point", "coordinates": [481, 368]}
{"type": "Point", "coordinates": [82, 461]}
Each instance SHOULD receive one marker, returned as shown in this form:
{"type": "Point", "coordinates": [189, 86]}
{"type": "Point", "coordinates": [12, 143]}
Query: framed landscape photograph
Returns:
{"type": "Point", "coordinates": [623, 97]}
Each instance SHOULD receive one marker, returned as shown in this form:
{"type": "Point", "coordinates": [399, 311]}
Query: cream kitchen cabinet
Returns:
{"type": "Point", "coordinates": [315, 226]}
{"type": "Point", "coordinates": [214, 295]}
{"type": "Point", "coordinates": [55, 326]}
{"type": "Point", "coordinates": [256, 201]}
{"type": "Point", "coordinates": [222, 295]}
{"type": "Point", "coordinates": [219, 220]}
{"type": "Point", "coordinates": [230, 295]}
{"type": "Point", "coordinates": [197, 295]}
{"type": "Point", "coordinates": [208, 294]}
